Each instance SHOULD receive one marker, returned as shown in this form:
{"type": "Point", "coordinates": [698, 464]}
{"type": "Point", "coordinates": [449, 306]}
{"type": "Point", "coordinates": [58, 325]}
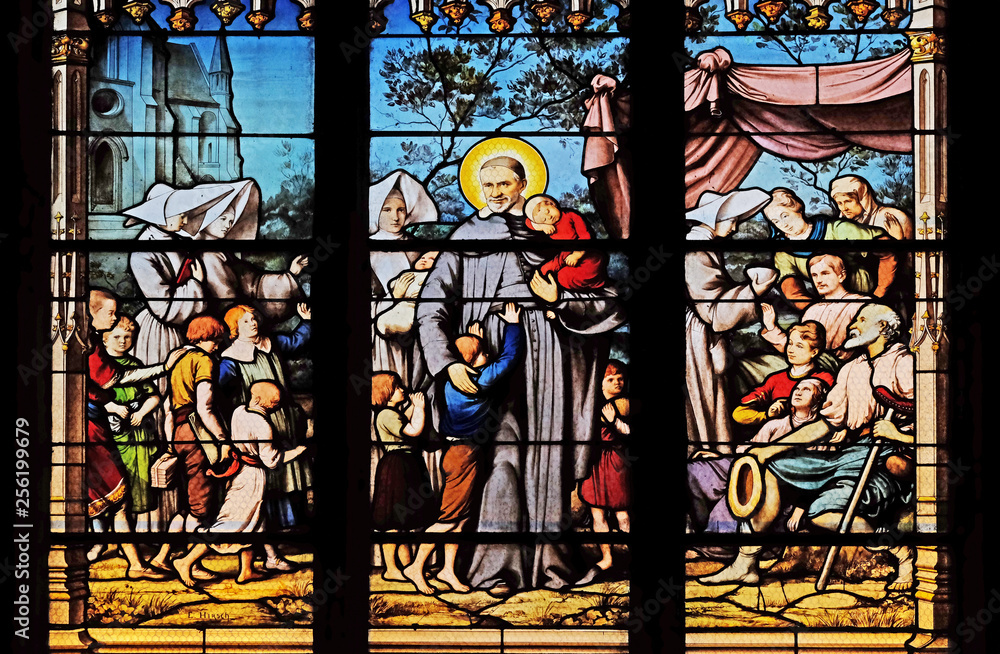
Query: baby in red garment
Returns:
{"type": "Point", "coordinates": [577, 270]}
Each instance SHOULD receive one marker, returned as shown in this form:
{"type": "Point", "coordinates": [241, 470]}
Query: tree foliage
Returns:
{"type": "Point", "coordinates": [538, 83]}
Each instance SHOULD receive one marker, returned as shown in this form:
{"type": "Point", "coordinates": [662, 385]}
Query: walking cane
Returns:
{"type": "Point", "coordinates": [885, 398]}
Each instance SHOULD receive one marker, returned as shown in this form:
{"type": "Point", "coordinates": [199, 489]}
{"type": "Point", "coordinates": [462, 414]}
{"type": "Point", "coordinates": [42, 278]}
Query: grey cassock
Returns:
{"type": "Point", "coordinates": [549, 399]}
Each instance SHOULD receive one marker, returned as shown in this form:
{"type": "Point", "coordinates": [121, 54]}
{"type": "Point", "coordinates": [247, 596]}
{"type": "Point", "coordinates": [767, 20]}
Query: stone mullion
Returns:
{"type": "Point", "coordinates": [934, 576]}
{"type": "Point", "coordinates": [67, 565]}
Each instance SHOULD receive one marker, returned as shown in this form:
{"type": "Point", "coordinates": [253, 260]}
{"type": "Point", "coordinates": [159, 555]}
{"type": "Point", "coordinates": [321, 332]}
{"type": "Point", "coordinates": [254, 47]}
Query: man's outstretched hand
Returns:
{"type": "Point", "coordinates": [545, 288]}
{"type": "Point", "coordinates": [459, 374]}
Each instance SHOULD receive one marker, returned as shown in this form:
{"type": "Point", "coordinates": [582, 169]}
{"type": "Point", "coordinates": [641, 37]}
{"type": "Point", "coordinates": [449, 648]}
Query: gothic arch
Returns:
{"type": "Point", "coordinates": [107, 155]}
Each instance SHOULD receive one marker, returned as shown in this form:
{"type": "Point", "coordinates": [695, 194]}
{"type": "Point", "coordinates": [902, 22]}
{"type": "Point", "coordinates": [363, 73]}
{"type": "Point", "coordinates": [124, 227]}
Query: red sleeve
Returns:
{"type": "Point", "coordinates": [579, 225]}
{"type": "Point", "coordinates": [102, 368]}
{"type": "Point", "coordinates": [763, 392]}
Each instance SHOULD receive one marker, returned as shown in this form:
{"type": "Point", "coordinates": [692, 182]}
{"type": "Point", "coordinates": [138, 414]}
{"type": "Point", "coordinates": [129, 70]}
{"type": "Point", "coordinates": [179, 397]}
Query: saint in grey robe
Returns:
{"type": "Point", "coordinates": [549, 400]}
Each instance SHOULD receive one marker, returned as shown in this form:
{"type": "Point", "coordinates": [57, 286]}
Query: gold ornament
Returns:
{"type": "Point", "coordinates": [577, 20]}
{"type": "Point", "coordinates": [69, 49]}
{"type": "Point", "coordinates": [772, 9]}
{"type": "Point", "coordinates": [425, 19]}
{"type": "Point", "coordinates": [894, 16]}
{"type": "Point", "coordinates": [544, 11]}
{"type": "Point", "coordinates": [740, 18]}
{"type": "Point", "coordinates": [138, 10]}
{"type": "Point", "coordinates": [306, 21]}
{"type": "Point", "coordinates": [227, 10]}
{"type": "Point", "coordinates": [926, 46]}
{"type": "Point", "coordinates": [862, 9]}
{"type": "Point", "coordinates": [106, 17]}
{"type": "Point", "coordinates": [456, 10]}
{"type": "Point", "coordinates": [501, 21]}
{"type": "Point", "coordinates": [258, 19]}
{"type": "Point", "coordinates": [183, 19]}
{"type": "Point", "coordinates": [817, 18]}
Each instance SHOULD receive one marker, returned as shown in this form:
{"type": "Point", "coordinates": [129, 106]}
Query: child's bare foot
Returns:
{"type": "Point", "coordinates": [145, 573]}
{"type": "Point", "coordinates": [183, 569]}
{"type": "Point", "coordinates": [202, 574]}
{"type": "Point", "coordinates": [247, 577]}
{"type": "Point", "coordinates": [416, 577]}
{"type": "Point", "coordinates": [394, 575]}
{"type": "Point", "coordinates": [448, 577]}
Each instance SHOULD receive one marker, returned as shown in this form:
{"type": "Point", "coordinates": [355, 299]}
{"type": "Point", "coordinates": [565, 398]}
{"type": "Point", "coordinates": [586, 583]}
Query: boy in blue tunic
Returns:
{"type": "Point", "coordinates": [461, 424]}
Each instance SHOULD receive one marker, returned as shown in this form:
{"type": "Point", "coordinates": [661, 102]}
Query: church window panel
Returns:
{"type": "Point", "coordinates": [162, 140]}
{"type": "Point", "coordinates": [505, 525]}
{"type": "Point", "coordinates": [823, 509]}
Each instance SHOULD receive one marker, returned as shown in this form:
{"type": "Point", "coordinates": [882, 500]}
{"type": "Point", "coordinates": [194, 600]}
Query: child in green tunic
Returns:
{"type": "Point", "coordinates": [130, 415]}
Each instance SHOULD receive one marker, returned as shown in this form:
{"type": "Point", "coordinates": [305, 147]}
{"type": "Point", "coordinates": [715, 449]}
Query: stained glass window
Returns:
{"type": "Point", "coordinates": [736, 432]}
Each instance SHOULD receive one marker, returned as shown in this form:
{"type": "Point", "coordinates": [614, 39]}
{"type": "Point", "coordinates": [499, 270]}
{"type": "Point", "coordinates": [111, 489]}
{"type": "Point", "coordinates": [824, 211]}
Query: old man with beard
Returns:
{"type": "Point", "coordinates": [826, 480]}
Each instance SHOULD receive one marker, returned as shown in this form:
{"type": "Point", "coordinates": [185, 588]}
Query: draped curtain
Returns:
{"type": "Point", "coordinates": [806, 113]}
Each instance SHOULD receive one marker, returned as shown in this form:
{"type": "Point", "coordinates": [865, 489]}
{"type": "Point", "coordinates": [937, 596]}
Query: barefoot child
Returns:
{"type": "Point", "coordinates": [460, 424]}
{"type": "Point", "coordinates": [254, 453]}
{"type": "Point", "coordinates": [608, 488]}
{"type": "Point", "coordinates": [575, 271]}
{"type": "Point", "coordinates": [401, 477]}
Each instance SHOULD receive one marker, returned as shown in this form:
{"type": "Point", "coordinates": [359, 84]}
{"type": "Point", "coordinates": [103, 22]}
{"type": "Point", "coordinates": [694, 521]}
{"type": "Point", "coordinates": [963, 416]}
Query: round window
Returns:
{"type": "Point", "coordinates": [106, 102]}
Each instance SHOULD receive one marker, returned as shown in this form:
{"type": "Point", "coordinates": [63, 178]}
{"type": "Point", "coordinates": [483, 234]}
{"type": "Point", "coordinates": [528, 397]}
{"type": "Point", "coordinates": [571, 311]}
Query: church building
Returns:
{"type": "Point", "coordinates": [141, 83]}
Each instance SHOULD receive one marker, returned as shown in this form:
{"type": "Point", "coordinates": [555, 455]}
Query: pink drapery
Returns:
{"type": "Point", "coordinates": [607, 162]}
{"type": "Point", "coordinates": [806, 113]}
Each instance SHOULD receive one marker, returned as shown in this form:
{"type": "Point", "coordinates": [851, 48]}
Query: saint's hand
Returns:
{"type": "Point", "coordinates": [173, 357]}
{"type": "Point", "coordinates": [545, 288]}
{"type": "Point", "coordinates": [402, 284]}
{"type": "Point", "coordinates": [885, 429]}
{"type": "Point", "coordinates": [304, 311]}
{"type": "Point", "coordinates": [705, 454]}
{"type": "Point", "coordinates": [511, 314]}
{"type": "Point", "coordinates": [476, 329]}
{"type": "Point", "coordinates": [197, 270]}
{"type": "Point", "coordinates": [769, 318]}
{"type": "Point", "coordinates": [459, 373]}
{"type": "Point", "coordinates": [298, 263]}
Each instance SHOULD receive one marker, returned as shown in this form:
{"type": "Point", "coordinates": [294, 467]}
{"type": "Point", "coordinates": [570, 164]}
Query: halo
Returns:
{"type": "Point", "coordinates": [746, 487]}
{"type": "Point", "coordinates": [501, 146]}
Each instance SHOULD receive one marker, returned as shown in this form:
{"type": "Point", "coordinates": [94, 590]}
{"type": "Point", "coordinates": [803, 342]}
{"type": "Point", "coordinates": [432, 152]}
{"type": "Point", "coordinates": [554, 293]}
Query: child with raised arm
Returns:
{"type": "Point", "coordinates": [461, 425]}
{"type": "Point", "coordinates": [401, 474]}
{"type": "Point", "coordinates": [577, 270]}
{"type": "Point", "coordinates": [253, 454]}
{"type": "Point", "coordinates": [608, 488]}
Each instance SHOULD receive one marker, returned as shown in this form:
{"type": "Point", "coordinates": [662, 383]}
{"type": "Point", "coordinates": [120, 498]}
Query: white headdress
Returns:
{"type": "Point", "coordinates": [420, 208]}
{"type": "Point", "coordinates": [202, 204]}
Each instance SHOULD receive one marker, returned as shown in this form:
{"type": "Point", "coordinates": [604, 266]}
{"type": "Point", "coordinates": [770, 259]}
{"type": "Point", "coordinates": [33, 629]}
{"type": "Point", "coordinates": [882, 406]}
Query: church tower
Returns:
{"type": "Point", "coordinates": [220, 74]}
